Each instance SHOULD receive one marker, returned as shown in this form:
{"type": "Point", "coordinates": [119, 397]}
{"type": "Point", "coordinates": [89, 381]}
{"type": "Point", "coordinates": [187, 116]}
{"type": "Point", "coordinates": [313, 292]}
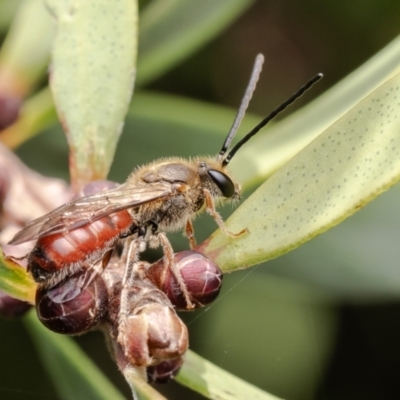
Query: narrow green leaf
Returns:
{"type": "Point", "coordinates": [171, 31]}
{"type": "Point", "coordinates": [92, 78]}
{"type": "Point", "coordinates": [75, 376]}
{"type": "Point", "coordinates": [214, 383]}
{"type": "Point", "coordinates": [25, 52]}
{"type": "Point", "coordinates": [347, 166]}
{"type": "Point", "coordinates": [15, 281]}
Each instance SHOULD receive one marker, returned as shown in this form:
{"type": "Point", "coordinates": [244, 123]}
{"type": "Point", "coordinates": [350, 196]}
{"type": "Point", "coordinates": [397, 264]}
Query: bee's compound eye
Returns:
{"type": "Point", "coordinates": [223, 182]}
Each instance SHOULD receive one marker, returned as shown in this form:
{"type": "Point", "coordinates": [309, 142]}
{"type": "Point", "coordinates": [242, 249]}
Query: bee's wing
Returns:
{"type": "Point", "coordinates": [85, 210]}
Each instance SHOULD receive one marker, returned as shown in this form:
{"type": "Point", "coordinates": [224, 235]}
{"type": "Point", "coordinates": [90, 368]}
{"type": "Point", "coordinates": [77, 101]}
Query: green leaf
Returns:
{"type": "Point", "coordinates": [171, 31]}
{"type": "Point", "coordinates": [15, 281]}
{"type": "Point", "coordinates": [25, 52]}
{"type": "Point", "coordinates": [92, 78]}
{"type": "Point", "coordinates": [75, 376]}
{"type": "Point", "coordinates": [347, 166]}
{"type": "Point", "coordinates": [214, 383]}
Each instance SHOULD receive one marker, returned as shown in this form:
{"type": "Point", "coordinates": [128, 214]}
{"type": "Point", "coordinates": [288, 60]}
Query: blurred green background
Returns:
{"type": "Point", "coordinates": [318, 323]}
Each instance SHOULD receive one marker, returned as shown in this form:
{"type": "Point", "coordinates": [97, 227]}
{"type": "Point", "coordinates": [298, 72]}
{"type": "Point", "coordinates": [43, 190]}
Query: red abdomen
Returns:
{"type": "Point", "coordinates": [52, 253]}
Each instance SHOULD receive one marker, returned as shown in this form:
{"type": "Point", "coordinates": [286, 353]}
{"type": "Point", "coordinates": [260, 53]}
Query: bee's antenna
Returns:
{"type": "Point", "coordinates": [271, 116]}
{"type": "Point", "coordinates": [255, 74]}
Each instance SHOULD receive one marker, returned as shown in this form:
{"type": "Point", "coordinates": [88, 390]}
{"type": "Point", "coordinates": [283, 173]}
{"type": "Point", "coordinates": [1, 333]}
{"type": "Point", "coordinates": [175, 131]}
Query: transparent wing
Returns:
{"type": "Point", "coordinates": [88, 209]}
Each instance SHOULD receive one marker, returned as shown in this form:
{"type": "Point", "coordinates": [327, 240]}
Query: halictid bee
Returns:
{"type": "Point", "coordinates": [160, 197]}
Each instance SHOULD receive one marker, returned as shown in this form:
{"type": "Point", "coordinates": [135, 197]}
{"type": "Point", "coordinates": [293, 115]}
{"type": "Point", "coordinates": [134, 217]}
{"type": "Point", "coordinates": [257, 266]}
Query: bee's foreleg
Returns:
{"type": "Point", "coordinates": [210, 208]}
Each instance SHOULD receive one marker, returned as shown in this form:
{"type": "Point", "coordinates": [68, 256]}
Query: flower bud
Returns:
{"type": "Point", "coordinates": [202, 277]}
{"type": "Point", "coordinates": [71, 309]}
{"type": "Point", "coordinates": [148, 331]}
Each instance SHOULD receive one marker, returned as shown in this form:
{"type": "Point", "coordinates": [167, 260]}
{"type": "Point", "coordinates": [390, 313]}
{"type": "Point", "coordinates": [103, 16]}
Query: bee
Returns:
{"type": "Point", "coordinates": [160, 197]}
